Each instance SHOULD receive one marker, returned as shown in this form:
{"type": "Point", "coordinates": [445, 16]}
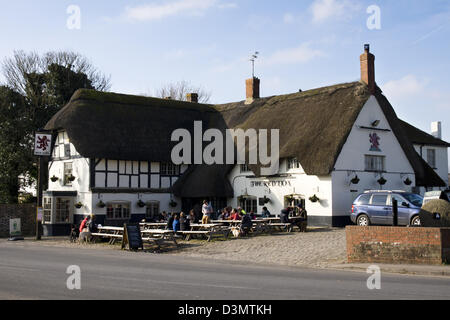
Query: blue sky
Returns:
{"type": "Point", "coordinates": [303, 45]}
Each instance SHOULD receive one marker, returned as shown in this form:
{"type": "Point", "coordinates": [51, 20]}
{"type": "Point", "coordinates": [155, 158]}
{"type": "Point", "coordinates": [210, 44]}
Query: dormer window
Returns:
{"type": "Point", "coordinates": [293, 163]}
{"type": "Point", "coordinates": [245, 168]}
{"type": "Point", "coordinates": [169, 169]}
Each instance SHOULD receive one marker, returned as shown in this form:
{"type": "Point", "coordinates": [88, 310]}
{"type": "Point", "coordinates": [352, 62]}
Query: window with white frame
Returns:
{"type": "Point", "coordinates": [169, 169]}
{"type": "Point", "coordinates": [293, 163]}
{"type": "Point", "coordinates": [62, 210]}
{"type": "Point", "coordinates": [152, 210]}
{"type": "Point", "coordinates": [249, 205]}
{"type": "Point", "coordinates": [375, 163]}
{"type": "Point", "coordinates": [47, 206]}
{"type": "Point", "coordinates": [118, 210]}
{"type": "Point", "coordinates": [67, 173]}
{"type": "Point", "coordinates": [431, 157]}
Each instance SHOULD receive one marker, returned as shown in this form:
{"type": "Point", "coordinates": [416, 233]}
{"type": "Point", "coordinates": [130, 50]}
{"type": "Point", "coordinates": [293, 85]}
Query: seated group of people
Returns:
{"type": "Point", "coordinates": [229, 213]}
{"type": "Point", "coordinates": [181, 222]}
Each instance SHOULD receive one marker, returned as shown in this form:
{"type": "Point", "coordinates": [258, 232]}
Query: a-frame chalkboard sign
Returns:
{"type": "Point", "coordinates": [132, 239]}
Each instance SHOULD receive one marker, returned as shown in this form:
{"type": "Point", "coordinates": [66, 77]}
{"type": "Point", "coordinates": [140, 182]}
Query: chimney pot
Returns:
{"type": "Point", "coordinates": [368, 69]}
{"type": "Point", "coordinates": [252, 89]}
{"type": "Point", "coordinates": [192, 97]}
{"type": "Point", "coordinates": [436, 129]}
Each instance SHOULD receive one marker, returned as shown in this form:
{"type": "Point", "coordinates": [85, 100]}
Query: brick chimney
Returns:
{"type": "Point", "coordinates": [252, 89]}
{"type": "Point", "coordinates": [192, 97]}
{"type": "Point", "coordinates": [368, 68]}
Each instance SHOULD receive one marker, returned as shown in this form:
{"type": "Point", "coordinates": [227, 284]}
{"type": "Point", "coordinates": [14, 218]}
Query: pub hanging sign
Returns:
{"type": "Point", "coordinates": [42, 144]}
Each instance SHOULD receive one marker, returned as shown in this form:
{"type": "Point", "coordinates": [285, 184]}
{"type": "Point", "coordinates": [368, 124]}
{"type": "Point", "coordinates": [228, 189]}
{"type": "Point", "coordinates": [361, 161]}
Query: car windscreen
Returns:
{"type": "Point", "coordinates": [415, 199]}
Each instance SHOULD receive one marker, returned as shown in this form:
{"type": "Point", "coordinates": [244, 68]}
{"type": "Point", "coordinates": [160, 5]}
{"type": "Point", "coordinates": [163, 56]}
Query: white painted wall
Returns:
{"type": "Point", "coordinates": [297, 183]}
{"type": "Point", "coordinates": [352, 158]}
{"type": "Point", "coordinates": [441, 159]}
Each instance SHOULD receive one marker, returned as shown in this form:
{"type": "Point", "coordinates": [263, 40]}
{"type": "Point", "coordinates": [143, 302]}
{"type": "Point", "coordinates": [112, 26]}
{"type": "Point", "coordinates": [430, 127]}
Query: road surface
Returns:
{"type": "Point", "coordinates": [39, 272]}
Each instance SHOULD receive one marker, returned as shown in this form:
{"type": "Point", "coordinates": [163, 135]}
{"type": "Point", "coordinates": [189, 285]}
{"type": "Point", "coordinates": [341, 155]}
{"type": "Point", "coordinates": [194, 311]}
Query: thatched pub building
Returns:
{"type": "Point", "coordinates": [112, 154]}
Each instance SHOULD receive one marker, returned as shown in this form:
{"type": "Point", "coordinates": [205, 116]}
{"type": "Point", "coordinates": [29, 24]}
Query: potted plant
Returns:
{"type": "Point", "coordinates": [173, 204]}
{"type": "Point", "coordinates": [242, 198]}
{"type": "Point", "coordinates": [78, 205]}
{"type": "Point", "coordinates": [314, 198]}
{"type": "Point", "coordinates": [71, 178]}
{"type": "Point", "coordinates": [355, 180]}
{"type": "Point", "coordinates": [407, 182]}
{"type": "Point", "coordinates": [290, 198]}
{"type": "Point", "coordinates": [382, 181]}
{"type": "Point", "coordinates": [54, 178]}
{"type": "Point", "coordinates": [101, 204]}
{"type": "Point", "coordinates": [141, 203]}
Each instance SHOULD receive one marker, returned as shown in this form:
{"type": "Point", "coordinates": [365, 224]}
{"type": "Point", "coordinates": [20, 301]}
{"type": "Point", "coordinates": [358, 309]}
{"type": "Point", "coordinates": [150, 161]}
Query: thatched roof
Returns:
{"type": "Point", "coordinates": [420, 137]}
{"type": "Point", "coordinates": [126, 127]}
{"type": "Point", "coordinates": [314, 125]}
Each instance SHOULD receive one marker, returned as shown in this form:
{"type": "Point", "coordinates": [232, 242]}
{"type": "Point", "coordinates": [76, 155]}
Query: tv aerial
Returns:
{"type": "Point", "coordinates": [253, 59]}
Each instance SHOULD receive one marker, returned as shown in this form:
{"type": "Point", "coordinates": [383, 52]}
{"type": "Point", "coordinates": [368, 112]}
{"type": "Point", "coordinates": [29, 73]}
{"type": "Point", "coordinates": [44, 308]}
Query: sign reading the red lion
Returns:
{"type": "Point", "coordinates": [42, 144]}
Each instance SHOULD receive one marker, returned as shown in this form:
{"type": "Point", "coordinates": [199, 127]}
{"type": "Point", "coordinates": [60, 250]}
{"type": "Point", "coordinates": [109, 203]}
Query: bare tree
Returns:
{"type": "Point", "coordinates": [21, 64]}
{"type": "Point", "coordinates": [179, 90]}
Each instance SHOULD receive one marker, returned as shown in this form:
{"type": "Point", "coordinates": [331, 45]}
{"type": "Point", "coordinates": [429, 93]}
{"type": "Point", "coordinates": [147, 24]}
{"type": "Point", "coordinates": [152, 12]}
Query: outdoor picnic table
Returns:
{"type": "Point", "coordinates": [113, 233]}
{"type": "Point", "coordinates": [153, 225]}
{"type": "Point", "coordinates": [159, 234]}
{"type": "Point", "coordinates": [208, 230]}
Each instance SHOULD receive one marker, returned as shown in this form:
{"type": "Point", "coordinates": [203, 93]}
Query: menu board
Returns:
{"type": "Point", "coordinates": [132, 239]}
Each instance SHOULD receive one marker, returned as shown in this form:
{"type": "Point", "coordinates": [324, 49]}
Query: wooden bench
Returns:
{"type": "Point", "coordinates": [113, 237]}
{"type": "Point", "coordinates": [281, 226]}
{"type": "Point", "coordinates": [209, 234]}
{"type": "Point", "coordinates": [155, 241]}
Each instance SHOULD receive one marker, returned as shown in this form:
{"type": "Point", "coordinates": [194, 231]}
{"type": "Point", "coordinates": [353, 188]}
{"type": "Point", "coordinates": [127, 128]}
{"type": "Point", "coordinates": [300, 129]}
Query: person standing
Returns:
{"type": "Point", "coordinates": [206, 211]}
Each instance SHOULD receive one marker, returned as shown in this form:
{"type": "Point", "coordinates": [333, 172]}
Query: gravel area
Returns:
{"type": "Point", "coordinates": [318, 247]}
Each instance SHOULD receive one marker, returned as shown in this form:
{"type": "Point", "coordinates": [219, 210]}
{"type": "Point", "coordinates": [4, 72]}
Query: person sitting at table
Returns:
{"type": "Point", "coordinates": [163, 217]}
{"type": "Point", "coordinates": [176, 223]}
{"type": "Point", "coordinates": [170, 222]}
{"type": "Point", "coordinates": [192, 217]}
{"type": "Point", "coordinates": [184, 222]}
{"type": "Point", "coordinates": [91, 225]}
{"type": "Point", "coordinates": [252, 215]}
{"type": "Point", "coordinates": [83, 224]}
{"type": "Point", "coordinates": [246, 224]}
{"type": "Point", "coordinates": [265, 213]}
{"type": "Point", "coordinates": [235, 215]}
{"type": "Point", "coordinates": [284, 215]}
{"type": "Point", "coordinates": [225, 215]}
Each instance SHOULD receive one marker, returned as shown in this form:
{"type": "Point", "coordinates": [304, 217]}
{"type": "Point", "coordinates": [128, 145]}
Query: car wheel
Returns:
{"type": "Point", "coordinates": [415, 221]}
{"type": "Point", "coordinates": [363, 220]}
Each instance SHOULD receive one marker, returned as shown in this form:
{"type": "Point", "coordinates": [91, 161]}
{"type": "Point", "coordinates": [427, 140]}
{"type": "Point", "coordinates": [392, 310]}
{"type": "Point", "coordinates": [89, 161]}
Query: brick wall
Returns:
{"type": "Point", "coordinates": [27, 214]}
{"type": "Point", "coordinates": [398, 245]}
